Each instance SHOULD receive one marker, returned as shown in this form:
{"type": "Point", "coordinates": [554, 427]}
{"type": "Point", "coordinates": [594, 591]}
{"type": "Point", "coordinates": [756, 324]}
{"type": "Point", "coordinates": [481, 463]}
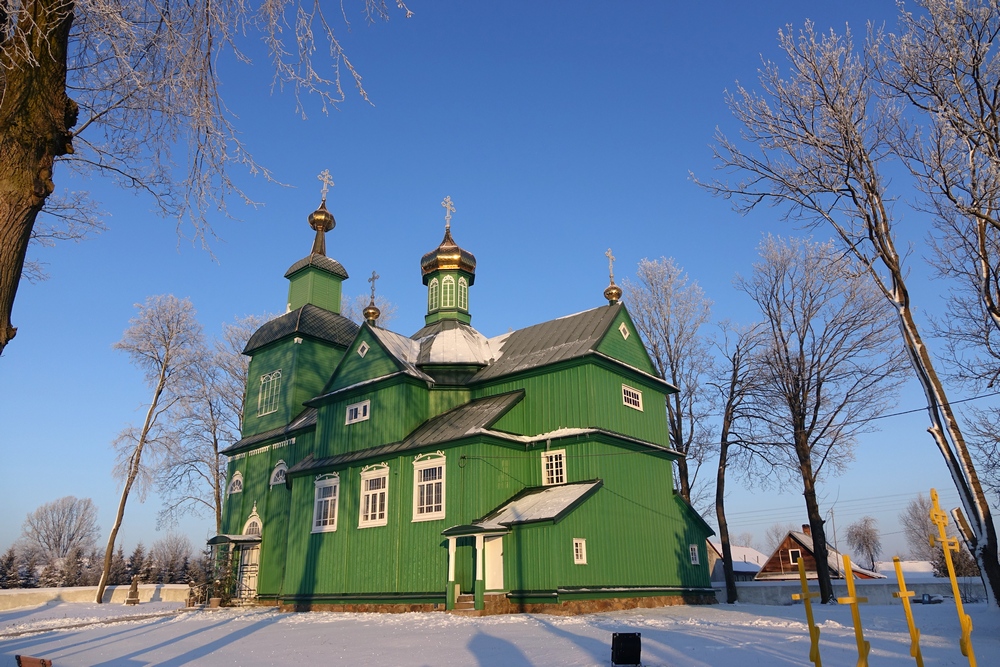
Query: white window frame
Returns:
{"type": "Point", "coordinates": [253, 519]}
{"type": "Point", "coordinates": [279, 468]}
{"type": "Point", "coordinates": [235, 484]}
{"type": "Point", "coordinates": [557, 474]}
{"type": "Point", "coordinates": [267, 396]}
{"type": "Point", "coordinates": [448, 292]}
{"type": "Point", "coordinates": [433, 298]}
{"type": "Point", "coordinates": [632, 397]}
{"type": "Point", "coordinates": [463, 293]}
{"type": "Point", "coordinates": [420, 464]}
{"type": "Point", "coordinates": [363, 349]}
{"type": "Point", "coordinates": [371, 497]}
{"type": "Point", "coordinates": [695, 554]}
{"type": "Point", "coordinates": [623, 330]}
{"type": "Point", "coordinates": [579, 551]}
{"type": "Point", "coordinates": [362, 411]}
{"type": "Point", "coordinates": [793, 560]}
{"type": "Point", "coordinates": [324, 501]}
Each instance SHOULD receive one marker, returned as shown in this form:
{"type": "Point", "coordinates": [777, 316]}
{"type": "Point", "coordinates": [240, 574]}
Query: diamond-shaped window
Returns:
{"type": "Point", "coordinates": [363, 349]}
{"type": "Point", "coordinates": [624, 331]}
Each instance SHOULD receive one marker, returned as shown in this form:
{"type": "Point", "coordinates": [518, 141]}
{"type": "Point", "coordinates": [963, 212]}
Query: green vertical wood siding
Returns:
{"type": "Point", "coordinates": [397, 407]}
{"type": "Point", "coordinates": [631, 350]}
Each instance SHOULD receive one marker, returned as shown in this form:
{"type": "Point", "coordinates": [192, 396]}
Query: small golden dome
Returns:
{"type": "Point", "coordinates": [448, 256]}
{"type": "Point", "coordinates": [613, 293]}
{"type": "Point", "coordinates": [321, 219]}
{"type": "Point", "coordinates": [371, 312]}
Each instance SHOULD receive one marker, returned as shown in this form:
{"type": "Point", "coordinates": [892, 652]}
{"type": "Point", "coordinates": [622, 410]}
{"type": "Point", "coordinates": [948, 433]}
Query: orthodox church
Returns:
{"type": "Point", "coordinates": [445, 470]}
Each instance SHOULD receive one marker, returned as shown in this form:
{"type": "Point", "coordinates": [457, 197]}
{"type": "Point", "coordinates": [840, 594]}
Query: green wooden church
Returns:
{"type": "Point", "coordinates": [530, 471]}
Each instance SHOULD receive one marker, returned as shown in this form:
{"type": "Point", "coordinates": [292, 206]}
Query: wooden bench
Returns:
{"type": "Point", "coordinates": [28, 661]}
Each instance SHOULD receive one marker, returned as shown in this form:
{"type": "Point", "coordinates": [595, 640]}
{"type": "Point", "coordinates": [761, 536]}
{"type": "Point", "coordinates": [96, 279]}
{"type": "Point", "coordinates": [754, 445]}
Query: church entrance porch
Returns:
{"type": "Point", "coordinates": [475, 562]}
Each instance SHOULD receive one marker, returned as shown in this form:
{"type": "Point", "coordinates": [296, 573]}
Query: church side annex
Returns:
{"type": "Point", "coordinates": [444, 470]}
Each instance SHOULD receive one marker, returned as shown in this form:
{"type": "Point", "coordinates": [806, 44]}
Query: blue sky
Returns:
{"type": "Point", "coordinates": [558, 129]}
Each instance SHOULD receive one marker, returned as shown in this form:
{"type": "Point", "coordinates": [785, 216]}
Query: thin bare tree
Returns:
{"type": "Point", "coordinates": [918, 528]}
{"type": "Point", "coordinates": [130, 90]}
{"type": "Point", "coordinates": [56, 528]}
{"type": "Point", "coordinates": [164, 341]}
{"type": "Point", "coordinates": [670, 311]}
{"type": "Point", "coordinates": [828, 364]}
{"type": "Point", "coordinates": [353, 309]}
{"type": "Point", "coordinates": [817, 144]}
{"type": "Point", "coordinates": [863, 537]}
{"type": "Point", "coordinates": [775, 533]}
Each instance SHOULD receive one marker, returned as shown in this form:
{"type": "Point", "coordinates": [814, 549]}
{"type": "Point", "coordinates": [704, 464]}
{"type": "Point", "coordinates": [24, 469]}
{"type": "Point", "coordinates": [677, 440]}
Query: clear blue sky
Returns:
{"type": "Point", "coordinates": [558, 129]}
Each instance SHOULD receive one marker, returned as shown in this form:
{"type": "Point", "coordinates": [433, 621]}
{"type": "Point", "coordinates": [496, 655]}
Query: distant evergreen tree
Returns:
{"type": "Point", "coordinates": [28, 570]}
{"type": "Point", "coordinates": [51, 576]}
{"type": "Point", "coordinates": [147, 571]}
{"type": "Point", "coordinates": [119, 575]}
{"type": "Point", "coordinates": [8, 569]}
{"type": "Point", "coordinates": [965, 564]}
{"type": "Point", "coordinates": [71, 572]}
{"type": "Point", "coordinates": [136, 561]}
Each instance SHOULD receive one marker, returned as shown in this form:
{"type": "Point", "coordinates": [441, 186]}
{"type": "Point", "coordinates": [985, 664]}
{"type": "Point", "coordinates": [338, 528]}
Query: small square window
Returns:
{"type": "Point", "coordinates": [363, 349]}
{"type": "Point", "coordinates": [554, 467]}
{"type": "Point", "coordinates": [623, 329]}
{"type": "Point", "coordinates": [632, 397]}
{"type": "Point", "coordinates": [358, 412]}
{"type": "Point", "coordinates": [579, 551]}
{"type": "Point", "coordinates": [794, 555]}
{"type": "Point", "coordinates": [693, 548]}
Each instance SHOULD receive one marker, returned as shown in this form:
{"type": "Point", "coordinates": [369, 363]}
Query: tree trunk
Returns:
{"type": "Point", "coordinates": [35, 118]}
{"type": "Point", "coordinates": [682, 474]}
{"type": "Point", "coordinates": [815, 519]}
{"type": "Point", "coordinates": [720, 514]}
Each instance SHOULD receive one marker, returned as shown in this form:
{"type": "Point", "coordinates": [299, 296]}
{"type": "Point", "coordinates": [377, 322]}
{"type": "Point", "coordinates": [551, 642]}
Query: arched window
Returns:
{"type": "Point", "coordinates": [278, 474]}
{"type": "Point", "coordinates": [448, 292]}
{"type": "Point", "coordinates": [236, 483]}
{"type": "Point", "coordinates": [432, 296]}
{"type": "Point", "coordinates": [463, 294]}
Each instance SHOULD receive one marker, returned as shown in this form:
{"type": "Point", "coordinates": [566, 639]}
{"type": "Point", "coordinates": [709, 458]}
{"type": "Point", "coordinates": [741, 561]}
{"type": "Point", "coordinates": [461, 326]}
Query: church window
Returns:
{"type": "Point", "coordinates": [325, 509]}
{"type": "Point", "coordinates": [252, 526]}
{"type": "Point", "coordinates": [235, 484]}
{"type": "Point", "coordinates": [554, 467]}
{"type": "Point", "coordinates": [363, 349]}
{"type": "Point", "coordinates": [623, 330]}
{"type": "Point", "coordinates": [374, 495]}
{"type": "Point", "coordinates": [448, 292]}
{"type": "Point", "coordinates": [693, 549]}
{"type": "Point", "coordinates": [278, 474]}
{"type": "Point", "coordinates": [267, 399]}
{"type": "Point", "coordinates": [463, 294]}
{"type": "Point", "coordinates": [432, 296]}
{"type": "Point", "coordinates": [358, 412]}
{"type": "Point", "coordinates": [632, 397]}
{"type": "Point", "coordinates": [579, 551]}
{"type": "Point", "coordinates": [428, 487]}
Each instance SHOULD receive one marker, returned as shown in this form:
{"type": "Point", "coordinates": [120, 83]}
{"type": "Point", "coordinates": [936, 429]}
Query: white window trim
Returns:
{"type": "Point", "coordinates": [363, 349]}
{"type": "Point", "coordinates": [267, 395]}
{"type": "Point", "coordinates": [253, 518]}
{"type": "Point", "coordinates": [546, 455]}
{"type": "Point", "coordinates": [279, 466]}
{"type": "Point", "coordinates": [463, 294]}
{"type": "Point", "coordinates": [371, 472]}
{"type": "Point", "coordinates": [423, 462]}
{"type": "Point", "coordinates": [793, 560]}
{"type": "Point", "coordinates": [232, 488]}
{"type": "Point", "coordinates": [579, 551]}
{"type": "Point", "coordinates": [433, 296]}
{"type": "Point", "coordinates": [323, 482]}
{"type": "Point", "coordinates": [637, 396]}
{"type": "Point", "coordinates": [364, 412]}
{"type": "Point", "coordinates": [695, 554]}
{"type": "Point", "coordinates": [623, 330]}
{"type": "Point", "coordinates": [446, 282]}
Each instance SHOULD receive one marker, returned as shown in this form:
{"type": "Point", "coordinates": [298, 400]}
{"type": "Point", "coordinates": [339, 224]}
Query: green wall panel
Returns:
{"type": "Point", "coordinates": [630, 350]}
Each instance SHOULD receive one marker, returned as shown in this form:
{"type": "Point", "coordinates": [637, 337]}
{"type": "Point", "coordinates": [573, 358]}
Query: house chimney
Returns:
{"type": "Point", "coordinates": [806, 529]}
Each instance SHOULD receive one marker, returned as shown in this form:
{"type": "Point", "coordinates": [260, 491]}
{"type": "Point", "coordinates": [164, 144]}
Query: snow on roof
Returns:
{"type": "Point", "coordinates": [745, 559]}
{"type": "Point", "coordinates": [538, 505]}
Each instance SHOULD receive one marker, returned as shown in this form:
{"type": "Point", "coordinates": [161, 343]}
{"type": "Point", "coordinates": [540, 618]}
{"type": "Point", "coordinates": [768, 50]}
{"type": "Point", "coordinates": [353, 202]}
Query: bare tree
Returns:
{"type": "Point", "coordinates": [669, 311]}
{"type": "Point", "coordinates": [863, 537]}
{"type": "Point", "coordinates": [828, 364]}
{"type": "Point", "coordinates": [171, 555]}
{"type": "Point", "coordinates": [353, 309]}
{"type": "Point", "coordinates": [147, 110]}
{"type": "Point", "coordinates": [164, 341]}
{"type": "Point", "coordinates": [208, 418]}
{"type": "Point", "coordinates": [817, 144]}
{"type": "Point", "coordinates": [735, 384]}
{"type": "Point", "coordinates": [775, 533]}
{"type": "Point", "coordinates": [918, 528]}
{"type": "Point", "coordinates": [56, 528]}
{"type": "Point", "coordinates": [745, 539]}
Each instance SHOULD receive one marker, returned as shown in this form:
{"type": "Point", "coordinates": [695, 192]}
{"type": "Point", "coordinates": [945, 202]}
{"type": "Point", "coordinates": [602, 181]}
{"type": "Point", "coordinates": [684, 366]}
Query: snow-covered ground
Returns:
{"type": "Point", "coordinates": [720, 636]}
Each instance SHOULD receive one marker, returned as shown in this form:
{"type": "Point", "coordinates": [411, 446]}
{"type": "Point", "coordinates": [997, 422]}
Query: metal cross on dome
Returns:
{"type": "Point", "coordinates": [372, 280]}
{"type": "Point", "coordinates": [611, 264]}
{"type": "Point", "coordinates": [449, 208]}
{"type": "Point", "coordinates": [327, 181]}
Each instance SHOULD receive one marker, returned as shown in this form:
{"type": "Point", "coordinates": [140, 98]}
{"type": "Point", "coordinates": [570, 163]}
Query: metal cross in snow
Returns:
{"type": "Point", "coordinates": [372, 280]}
{"type": "Point", "coordinates": [449, 208]}
{"type": "Point", "coordinates": [611, 264]}
{"type": "Point", "coordinates": [327, 180]}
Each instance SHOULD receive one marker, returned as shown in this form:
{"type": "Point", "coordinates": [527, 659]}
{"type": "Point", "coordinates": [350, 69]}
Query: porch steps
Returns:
{"type": "Point", "coordinates": [465, 605]}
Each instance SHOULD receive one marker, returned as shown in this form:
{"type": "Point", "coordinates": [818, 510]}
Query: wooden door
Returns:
{"type": "Point", "coordinates": [493, 568]}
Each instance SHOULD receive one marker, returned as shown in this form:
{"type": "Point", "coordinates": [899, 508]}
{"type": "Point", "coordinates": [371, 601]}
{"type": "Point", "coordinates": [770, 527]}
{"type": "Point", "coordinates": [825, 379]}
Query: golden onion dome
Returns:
{"type": "Point", "coordinates": [613, 293]}
{"type": "Point", "coordinates": [321, 219]}
{"type": "Point", "coordinates": [448, 256]}
{"type": "Point", "coordinates": [371, 312]}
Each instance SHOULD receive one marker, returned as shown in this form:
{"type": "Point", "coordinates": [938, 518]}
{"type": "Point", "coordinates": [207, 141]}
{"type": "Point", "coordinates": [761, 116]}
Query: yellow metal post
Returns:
{"type": "Point", "coordinates": [864, 647]}
{"type": "Point", "coordinates": [949, 544]}
{"type": "Point", "coordinates": [904, 597]}
{"type": "Point", "coordinates": [807, 599]}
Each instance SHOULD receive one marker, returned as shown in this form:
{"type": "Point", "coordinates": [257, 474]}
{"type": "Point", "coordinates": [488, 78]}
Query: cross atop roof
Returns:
{"type": "Point", "coordinates": [327, 181]}
{"type": "Point", "coordinates": [449, 208]}
{"type": "Point", "coordinates": [372, 280]}
{"type": "Point", "coordinates": [611, 264]}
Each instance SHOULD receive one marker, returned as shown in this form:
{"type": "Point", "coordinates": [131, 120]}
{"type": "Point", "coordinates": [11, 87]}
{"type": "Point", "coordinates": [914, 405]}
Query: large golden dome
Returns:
{"type": "Point", "coordinates": [448, 256]}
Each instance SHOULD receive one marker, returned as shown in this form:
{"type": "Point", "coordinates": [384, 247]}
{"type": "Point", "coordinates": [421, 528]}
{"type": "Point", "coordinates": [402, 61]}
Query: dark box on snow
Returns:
{"type": "Point", "coordinates": [626, 648]}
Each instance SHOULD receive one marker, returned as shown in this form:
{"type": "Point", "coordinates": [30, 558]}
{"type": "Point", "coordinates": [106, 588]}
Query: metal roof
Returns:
{"type": "Point", "coordinates": [549, 342]}
{"type": "Point", "coordinates": [304, 420]}
{"type": "Point", "coordinates": [546, 503]}
{"type": "Point", "coordinates": [465, 420]}
{"type": "Point", "coordinates": [320, 262]}
{"type": "Point", "coordinates": [308, 320]}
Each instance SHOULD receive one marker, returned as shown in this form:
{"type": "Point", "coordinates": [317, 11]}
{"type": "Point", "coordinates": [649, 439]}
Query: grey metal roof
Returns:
{"type": "Point", "coordinates": [544, 503]}
{"type": "Point", "coordinates": [452, 342]}
{"type": "Point", "coordinates": [465, 420]}
{"type": "Point", "coordinates": [308, 320]}
{"type": "Point", "coordinates": [305, 419]}
{"type": "Point", "coordinates": [549, 342]}
{"type": "Point", "coordinates": [405, 350]}
{"type": "Point", "coordinates": [320, 262]}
